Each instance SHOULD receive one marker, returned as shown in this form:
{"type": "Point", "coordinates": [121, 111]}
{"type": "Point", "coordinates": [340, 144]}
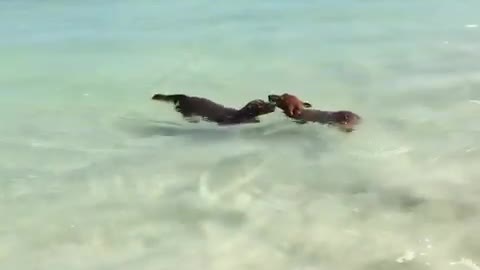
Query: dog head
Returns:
{"type": "Point", "coordinates": [249, 112]}
{"type": "Point", "coordinates": [256, 108]}
{"type": "Point", "coordinates": [345, 120]}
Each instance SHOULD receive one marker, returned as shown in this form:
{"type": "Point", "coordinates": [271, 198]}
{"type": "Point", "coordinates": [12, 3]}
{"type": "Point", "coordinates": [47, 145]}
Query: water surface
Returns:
{"type": "Point", "coordinates": [95, 175]}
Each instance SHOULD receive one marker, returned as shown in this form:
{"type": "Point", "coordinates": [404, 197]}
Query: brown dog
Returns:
{"type": "Point", "coordinates": [290, 104]}
{"type": "Point", "coordinates": [208, 110]}
{"type": "Point", "coordinates": [345, 120]}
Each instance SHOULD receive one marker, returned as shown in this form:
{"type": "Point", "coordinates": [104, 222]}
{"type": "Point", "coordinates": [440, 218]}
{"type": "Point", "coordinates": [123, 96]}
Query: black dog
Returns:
{"type": "Point", "coordinates": [345, 120]}
{"type": "Point", "coordinates": [208, 110]}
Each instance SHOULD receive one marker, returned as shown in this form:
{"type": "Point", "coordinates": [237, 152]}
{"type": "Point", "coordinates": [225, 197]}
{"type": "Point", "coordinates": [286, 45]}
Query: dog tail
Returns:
{"type": "Point", "coordinates": [169, 98]}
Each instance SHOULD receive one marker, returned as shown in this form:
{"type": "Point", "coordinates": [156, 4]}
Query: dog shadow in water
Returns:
{"type": "Point", "coordinates": [147, 128]}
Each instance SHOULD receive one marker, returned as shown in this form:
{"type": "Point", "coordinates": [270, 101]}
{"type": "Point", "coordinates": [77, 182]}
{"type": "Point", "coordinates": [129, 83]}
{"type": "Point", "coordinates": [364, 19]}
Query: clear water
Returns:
{"type": "Point", "coordinates": [95, 175]}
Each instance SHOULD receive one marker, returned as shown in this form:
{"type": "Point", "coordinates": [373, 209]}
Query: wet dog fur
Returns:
{"type": "Point", "coordinates": [344, 120]}
{"type": "Point", "coordinates": [191, 107]}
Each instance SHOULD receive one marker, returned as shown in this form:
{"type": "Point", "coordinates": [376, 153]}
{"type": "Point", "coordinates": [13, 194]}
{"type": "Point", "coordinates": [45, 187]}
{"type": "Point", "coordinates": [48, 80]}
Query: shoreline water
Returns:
{"type": "Point", "coordinates": [95, 175]}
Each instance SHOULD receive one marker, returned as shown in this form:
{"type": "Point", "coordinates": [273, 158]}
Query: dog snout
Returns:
{"type": "Point", "coordinates": [271, 106]}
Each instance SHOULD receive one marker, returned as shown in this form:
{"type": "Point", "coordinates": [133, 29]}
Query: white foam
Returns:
{"type": "Point", "coordinates": [407, 256]}
{"type": "Point", "coordinates": [467, 263]}
{"type": "Point", "coordinates": [475, 101]}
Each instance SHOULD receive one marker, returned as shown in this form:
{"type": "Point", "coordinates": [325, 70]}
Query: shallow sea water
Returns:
{"type": "Point", "coordinates": [95, 175]}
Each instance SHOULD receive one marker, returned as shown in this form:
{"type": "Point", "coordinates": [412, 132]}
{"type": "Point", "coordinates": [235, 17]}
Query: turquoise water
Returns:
{"type": "Point", "coordinates": [95, 175]}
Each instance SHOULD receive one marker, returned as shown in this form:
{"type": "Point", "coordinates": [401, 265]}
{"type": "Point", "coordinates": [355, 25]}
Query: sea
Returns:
{"type": "Point", "coordinates": [94, 175]}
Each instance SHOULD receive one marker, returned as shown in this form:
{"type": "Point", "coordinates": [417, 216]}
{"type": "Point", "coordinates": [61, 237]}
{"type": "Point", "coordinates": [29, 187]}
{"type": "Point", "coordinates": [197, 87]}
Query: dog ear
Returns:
{"type": "Point", "coordinates": [307, 105]}
{"type": "Point", "coordinates": [273, 98]}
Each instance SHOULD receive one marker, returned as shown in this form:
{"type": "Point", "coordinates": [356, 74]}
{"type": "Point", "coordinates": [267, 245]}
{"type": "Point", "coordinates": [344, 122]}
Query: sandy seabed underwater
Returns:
{"type": "Point", "coordinates": [95, 175]}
